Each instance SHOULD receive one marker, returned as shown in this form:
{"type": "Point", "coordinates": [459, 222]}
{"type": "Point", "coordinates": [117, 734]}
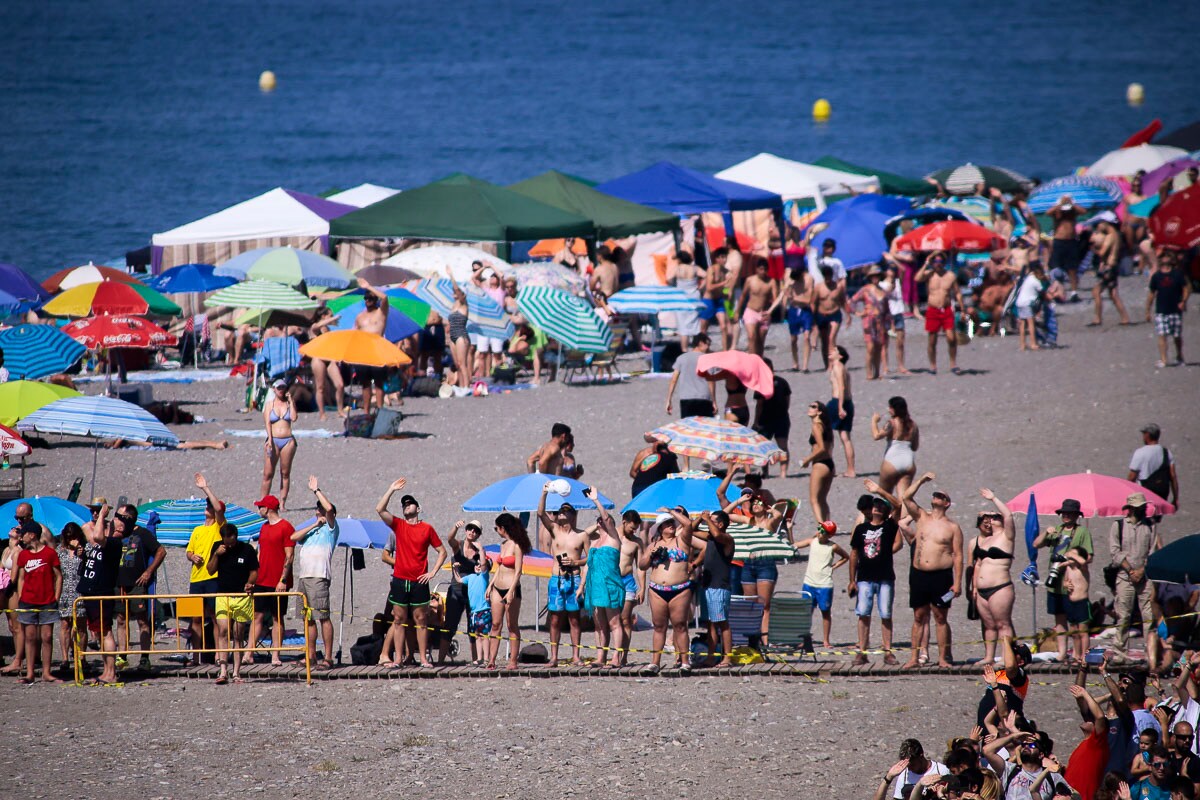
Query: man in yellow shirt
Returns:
{"type": "Point", "coordinates": [199, 548]}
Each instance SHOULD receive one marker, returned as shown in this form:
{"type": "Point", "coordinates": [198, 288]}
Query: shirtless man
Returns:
{"type": "Point", "coordinates": [717, 283]}
{"type": "Point", "coordinates": [633, 578]}
{"type": "Point", "coordinates": [606, 276]}
{"type": "Point", "coordinates": [548, 459]}
{"type": "Point", "coordinates": [760, 296]}
{"type": "Point", "coordinates": [935, 577]}
{"type": "Point", "coordinates": [798, 293]}
{"type": "Point", "coordinates": [372, 319]}
{"type": "Point", "coordinates": [1064, 247]}
{"type": "Point", "coordinates": [829, 296]}
{"type": "Point", "coordinates": [560, 537]}
{"type": "Point", "coordinates": [1106, 242]}
{"type": "Point", "coordinates": [944, 292]}
{"type": "Point", "coordinates": [841, 407]}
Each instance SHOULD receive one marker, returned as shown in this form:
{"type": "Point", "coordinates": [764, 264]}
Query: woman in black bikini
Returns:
{"type": "Point", "coordinates": [819, 461]}
{"type": "Point", "coordinates": [991, 564]}
{"type": "Point", "coordinates": [736, 408]}
{"type": "Point", "coordinates": [465, 555]}
{"type": "Point", "coordinates": [668, 558]}
{"type": "Point", "coordinates": [456, 332]}
{"type": "Point", "coordinates": [504, 590]}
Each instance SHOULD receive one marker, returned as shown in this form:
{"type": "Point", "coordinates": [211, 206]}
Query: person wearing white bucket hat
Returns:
{"type": "Point", "coordinates": [562, 538]}
{"type": "Point", "coordinates": [1131, 540]}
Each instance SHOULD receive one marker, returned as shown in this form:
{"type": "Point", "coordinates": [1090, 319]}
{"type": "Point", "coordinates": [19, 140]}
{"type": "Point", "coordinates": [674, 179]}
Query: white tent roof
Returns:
{"type": "Point", "coordinates": [794, 180]}
{"type": "Point", "coordinates": [274, 214]}
{"type": "Point", "coordinates": [363, 195]}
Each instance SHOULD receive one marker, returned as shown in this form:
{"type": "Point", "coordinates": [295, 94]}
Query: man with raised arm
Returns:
{"type": "Point", "coordinates": [199, 548]}
{"type": "Point", "coordinates": [314, 573]}
{"type": "Point", "coordinates": [935, 577]}
{"type": "Point", "coordinates": [561, 537]}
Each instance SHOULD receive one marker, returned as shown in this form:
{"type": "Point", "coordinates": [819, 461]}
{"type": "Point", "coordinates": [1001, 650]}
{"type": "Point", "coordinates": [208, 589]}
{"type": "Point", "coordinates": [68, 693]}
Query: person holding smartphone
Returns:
{"type": "Point", "coordinates": [569, 545]}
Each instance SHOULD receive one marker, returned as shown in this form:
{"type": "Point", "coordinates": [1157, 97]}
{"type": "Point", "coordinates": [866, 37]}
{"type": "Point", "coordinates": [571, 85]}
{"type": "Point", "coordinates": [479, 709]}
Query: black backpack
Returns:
{"type": "Point", "coordinates": [1159, 481]}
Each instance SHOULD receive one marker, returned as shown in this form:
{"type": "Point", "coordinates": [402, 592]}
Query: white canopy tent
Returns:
{"type": "Point", "coordinates": [280, 217]}
{"type": "Point", "coordinates": [795, 180]}
{"type": "Point", "coordinates": [363, 195]}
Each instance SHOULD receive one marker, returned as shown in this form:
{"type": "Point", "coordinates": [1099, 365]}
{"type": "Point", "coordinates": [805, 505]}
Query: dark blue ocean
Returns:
{"type": "Point", "coordinates": [125, 118]}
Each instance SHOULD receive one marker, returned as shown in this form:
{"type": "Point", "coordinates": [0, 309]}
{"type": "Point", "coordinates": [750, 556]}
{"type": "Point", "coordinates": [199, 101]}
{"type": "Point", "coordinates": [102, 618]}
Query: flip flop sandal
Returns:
{"type": "Point", "coordinates": [221, 681]}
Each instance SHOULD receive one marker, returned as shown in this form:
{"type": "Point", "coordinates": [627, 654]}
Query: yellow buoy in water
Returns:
{"type": "Point", "coordinates": [821, 110]}
{"type": "Point", "coordinates": [1135, 93]}
{"type": "Point", "coordinates": [266, 81]}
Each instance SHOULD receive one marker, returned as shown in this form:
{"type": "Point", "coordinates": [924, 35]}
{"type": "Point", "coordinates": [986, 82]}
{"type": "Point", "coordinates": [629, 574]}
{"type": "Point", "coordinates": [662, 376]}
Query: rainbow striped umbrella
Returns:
{"type": "Point", "coordinates": [564, 318]}
{"type": "Point", "coordinates": [110, 297]}
{"type": "Point", "coordinates": [717, 440]}
{"type": "Point", "coordinates": [536, 564]}
{"type": "Point", "coordinates": [485, 316]}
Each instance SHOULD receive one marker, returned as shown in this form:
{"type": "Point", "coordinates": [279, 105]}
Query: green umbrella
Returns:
{"type": "Point", "coordinates": [19, 399]}
{"type": "Point", "coordinates": [260, 295]}
{"type": "Point", "coordinates": [400, 299]}
{"type": "Point", "coordinates": [564, 318]}
{"type": "Point", "coordinates": [964, 179]}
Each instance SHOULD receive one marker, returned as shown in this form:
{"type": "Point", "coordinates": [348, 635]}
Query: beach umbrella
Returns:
{"type": "Point", "coordinates": [427, 261]}
{"type": "Point", "coordinates": [363, 534]}
{"type": "Point", "coordinates": [1187, 137]}
{"type": "Point", "coordinates": [95, 333]}
{"type": "Point", "coordinates": [1087, 191]}
{"type": "Point", "coordinates": [485, 316]}
{"type": "Point", "coordinates": [397, 328]}
{"type": "Point", "coordinates": [1178, 562]}
{"type": "Point", "coordinates": [71, 277]}
{"type": "Point", "coordinates": [1168, 172]}
{"type": "Point", "coordinates": [950, 235]}
{"type": "Point", "coordinates": [52, 512]}
{"type": "Point", "coordinates": [355, 347]}
{"type": "Point", "coordinates": [19, 399]}
{"type": "Point", "coordinates": [751, 541]}
{"type": "Point", "coordinates": [12, 444]}
{"type": "Point", "coordinates": [535, 564]}
{"type": "Point", "coordinates": [1129, 160]}
{"type": "Point", "coordinates": [522, 493]}
{"type": "Point", "coordinates": [190, 279]}
{"type": "Point", "coordinates": [653, 300]}
{"type": "Point", "coordinates": [399, 299]}
{"type": "Point", "coordinates": [548, 248]}
{"type": "Point", "coordinates": [715, 439]}
{"type": "Point", "coordinates": [695, 491]}
{"type": "Point", "coordinates": [746, 367]}
{"type": "Point", "coordinates": [564, 318]}
{"type": "Point", "coordinates": [386, 275]}
{"type": "Point", "coordinates": [922, 215]}
{"type": "Point", "coordinates": [110, 297]}
{"type": "Point", "coordinates": [550, 275]}
{"type": "Point", "coordinates": [177, 518]}
{"type": "Point", "coordinates": [18, 290]}
{"type": "Point", "coordinates": [965, 178]}
{"type": "Point", "coordinates": [35, 351]}
{"type": "Point", "coordinates": [1176, 222]}
{"type": "Point", "coordinates": [981, 210]}
{"type": "Point", "coordinates": [290, 266]}
{"type": "Point", "coordinates": [857, 224]}
{"type": "Point", "coordinates": [1098, 495]}
{"type": "Point", "coordinates": [261, 295]}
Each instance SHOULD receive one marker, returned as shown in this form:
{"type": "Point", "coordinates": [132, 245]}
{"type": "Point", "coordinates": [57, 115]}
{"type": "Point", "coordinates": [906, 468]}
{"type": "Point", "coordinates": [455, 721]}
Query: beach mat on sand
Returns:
{"type": "Point", "coordinates": [257, 433]}
{"type": "Point", "coordinates": [163, 376]}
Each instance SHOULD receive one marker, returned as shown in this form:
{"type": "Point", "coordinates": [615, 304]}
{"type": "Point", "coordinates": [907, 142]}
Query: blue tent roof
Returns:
{"type": "Point", "coordinates": [670, 187]}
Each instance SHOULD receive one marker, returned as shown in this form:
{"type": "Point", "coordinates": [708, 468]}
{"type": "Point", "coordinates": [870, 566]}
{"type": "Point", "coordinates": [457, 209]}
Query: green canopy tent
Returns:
{"type": "Point", "coordinates": [889, 182]}
{"type": "Point", "coordinates": [613, 217]}
{"type": "Point", "coordinates": [461, 208]}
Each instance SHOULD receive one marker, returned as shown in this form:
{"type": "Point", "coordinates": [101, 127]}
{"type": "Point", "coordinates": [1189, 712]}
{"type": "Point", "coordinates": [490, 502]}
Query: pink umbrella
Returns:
{"type": "Point", "coordinates": [746, 367]}
{"type": "Point", "coordinates": [11, 443]}
{"type": "Point", "coordinates": [1099, 495]}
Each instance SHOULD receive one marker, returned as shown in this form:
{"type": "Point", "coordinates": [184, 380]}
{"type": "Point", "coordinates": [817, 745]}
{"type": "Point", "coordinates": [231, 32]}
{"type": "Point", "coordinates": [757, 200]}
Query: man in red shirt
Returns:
{"type": "Point", "coordinates": [39, 584]}
{"type": "Point", "coordinates": [275, 552]}
{"type": "Point", "coordinates": [410, 576]}
{"type": "Point", "coordinates": [1085, 770]}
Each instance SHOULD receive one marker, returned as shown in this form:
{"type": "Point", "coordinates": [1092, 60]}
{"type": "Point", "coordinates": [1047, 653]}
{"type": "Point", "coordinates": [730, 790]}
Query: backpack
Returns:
{"type": "Point", "coordinates": [1159, 481]}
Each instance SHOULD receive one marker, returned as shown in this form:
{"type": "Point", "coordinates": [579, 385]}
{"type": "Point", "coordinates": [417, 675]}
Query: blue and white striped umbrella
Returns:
{"type": "Point", "coordinates": [98, 418]}
{"type": "Point", "coordinates": [564, 318]}
{"type": "Point", "coordinates": [653, 300]}
{"type": "Point", "coordinates": [485, 316]}
{"type": "Point", "coordinates": [177, 518]}
{"type": "Point", "coordinates": [35, 351]}
{"type": "Point", "coordinates": [1087, 191]}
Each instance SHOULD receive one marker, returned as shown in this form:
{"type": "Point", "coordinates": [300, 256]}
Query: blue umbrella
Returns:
{"type": "Point", "coordinates": [923, 215]}
{"type": "Point", "coordinates": [190, 279]}
{"type": "Point", "coordinates": [522, 493]}
{"type": "Point", "coordinates": [1030, 575]}
{"type": "Point", "coordinates": [1087, 191]}
{"type": "Point", "coordinates": [18, 291]}
{"type": "Point", "coordinates": [50, 511]}
{"type": "Point", "coordinates": [856, 224]}
{"type": "Point", "coordinates": [1178, 562]}
{"type": "Point", "coordinates": [695, 491]}
{"type": "Point", "coordinates": [399, 325]}
{"type": "Point", "coordinates": [360, 533]}
{"type": "Point", "coordinates": [35, 351]}
{"type": "Point", "coordinates": [177, 518]}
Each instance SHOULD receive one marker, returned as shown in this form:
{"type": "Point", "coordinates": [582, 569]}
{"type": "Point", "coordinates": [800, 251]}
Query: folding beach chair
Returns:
{"type": "Point", "coordinates": [791, 623]}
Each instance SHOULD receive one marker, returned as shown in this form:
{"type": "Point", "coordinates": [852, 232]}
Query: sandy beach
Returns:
{"type": "Point", "coordinates": [1012, 419]}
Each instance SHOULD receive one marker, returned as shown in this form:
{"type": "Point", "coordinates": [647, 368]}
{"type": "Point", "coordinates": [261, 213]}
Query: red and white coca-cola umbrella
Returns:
{"type": "Point", "coordinates": [95, 333]}
{"type": "Point", "coordinates": [11, 443]}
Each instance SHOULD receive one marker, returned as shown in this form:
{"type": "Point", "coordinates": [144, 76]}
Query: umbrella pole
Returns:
{"type": "Point", "coordinates": [23, 476]}
{"type": "Point", "coordinates": [95, 458]}
{"type": "Point", "coordinates": [342, 611]}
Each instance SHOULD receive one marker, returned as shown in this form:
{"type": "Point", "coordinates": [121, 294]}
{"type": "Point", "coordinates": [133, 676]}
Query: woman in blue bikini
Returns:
{"type": "Point", "coordinates": [278, 414]}
{"type": "Point", "coordinates": [668, 559]}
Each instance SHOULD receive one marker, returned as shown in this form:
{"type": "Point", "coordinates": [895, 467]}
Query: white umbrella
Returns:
{"type": "Point", "coordinates": [434, 260]}
{"type": "Point", "coordinates": [1128, 160]}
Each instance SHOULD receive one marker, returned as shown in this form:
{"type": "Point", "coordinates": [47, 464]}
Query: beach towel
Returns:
{"type": "Point", "coordinates": [162, 376]}
{"type": "Point", "coordinates": [257, 433]}
{"type": "Point", "coordinates": [281, 354]}
{"type": "Point", "coordinates": [604, 588]}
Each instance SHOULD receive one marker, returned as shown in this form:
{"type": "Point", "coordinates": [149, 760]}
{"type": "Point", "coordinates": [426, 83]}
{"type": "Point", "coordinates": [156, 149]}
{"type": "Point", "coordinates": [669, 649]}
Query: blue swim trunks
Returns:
{"type": "Point", "coordinates": [563, 592]}
{"type": "Point", "coordinates": [799, 320]}
{"type": "Point", "coordinates": [712, 308]}
{"type": "Point", "coordinates": [631, 586]}
{"type": "Point", "coordinates": [822, 598]}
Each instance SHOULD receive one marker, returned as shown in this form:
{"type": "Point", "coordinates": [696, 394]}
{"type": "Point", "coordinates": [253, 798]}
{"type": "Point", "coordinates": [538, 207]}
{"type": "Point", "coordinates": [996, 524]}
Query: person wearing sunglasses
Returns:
{"type": "Point", "coordinates": [1157, 785]}
{"type": "Point", "coordinates": [935, 577]}
{"type": "Point", "coordinates": [141, 556]}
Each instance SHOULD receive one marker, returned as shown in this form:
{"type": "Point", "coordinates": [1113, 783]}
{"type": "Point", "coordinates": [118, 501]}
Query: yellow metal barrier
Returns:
{"type": "Point", "coordinates": [187, 607]}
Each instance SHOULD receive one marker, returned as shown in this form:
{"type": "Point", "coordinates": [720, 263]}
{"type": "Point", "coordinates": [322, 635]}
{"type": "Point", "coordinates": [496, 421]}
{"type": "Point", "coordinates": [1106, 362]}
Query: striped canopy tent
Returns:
{"type": "Point", "coordinates": [1087, 191]}
{"type": "Point", "coordinates": [287, 265]}
{"type": "Point", "coordinates": [750, 541]}
{"type": "Point", "coordinates": [717, 440]}
{"type": "Point", "coordinates": [261, 295]}
{"type": "Point", "coordinates": [35, 351]}
{"type": "Point", "coordinates": [653, 300]}
{"type": "Point", "coordinates": [177, 518]}
{"type": "Point", "coordinates": [565, 319]}
{"type": "Point", "coordinates": [485, 317]}
{"type": "Point", "coordinates": [965, 178]}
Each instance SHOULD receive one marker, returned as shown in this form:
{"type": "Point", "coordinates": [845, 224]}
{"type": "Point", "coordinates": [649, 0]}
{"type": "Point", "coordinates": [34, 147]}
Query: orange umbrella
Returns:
{"type": "Point", "coordinates": [547, 248]}
{"type": "Point", "coordinates": [356, 347]}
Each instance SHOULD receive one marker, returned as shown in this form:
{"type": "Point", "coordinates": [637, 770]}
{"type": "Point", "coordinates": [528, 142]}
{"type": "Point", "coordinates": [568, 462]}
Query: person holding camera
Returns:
{"type": "Point", "coordinates": [1067, 535]}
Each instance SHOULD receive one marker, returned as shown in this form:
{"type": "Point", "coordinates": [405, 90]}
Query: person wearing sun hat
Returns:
{"type": "Point", "coordinates": [1130, 542]}
{"type": "Point", "coordinates": [1060, 538]}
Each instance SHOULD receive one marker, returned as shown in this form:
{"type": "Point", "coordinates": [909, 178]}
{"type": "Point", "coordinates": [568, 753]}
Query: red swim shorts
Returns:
{"type": "Point", "coordinates": [939, 319]}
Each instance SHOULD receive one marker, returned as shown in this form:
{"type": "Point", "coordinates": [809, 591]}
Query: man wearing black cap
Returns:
{"type": "Point", "coordinates": [935, 578]}
{"type": "Point", "coordinates": [1060, 538]}
{"type": "Point", "coordinates": [1153, 466]}
{"type": "Point", "coordinates": [564, 594]}
{"type": "Point", "coordinates": [872, 581]}
{"type": "Point", "coordinates": [1130, 542]}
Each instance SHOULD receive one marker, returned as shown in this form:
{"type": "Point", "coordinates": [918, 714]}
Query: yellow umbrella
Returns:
{"type": "Point", "coordinates": [356, 347]}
